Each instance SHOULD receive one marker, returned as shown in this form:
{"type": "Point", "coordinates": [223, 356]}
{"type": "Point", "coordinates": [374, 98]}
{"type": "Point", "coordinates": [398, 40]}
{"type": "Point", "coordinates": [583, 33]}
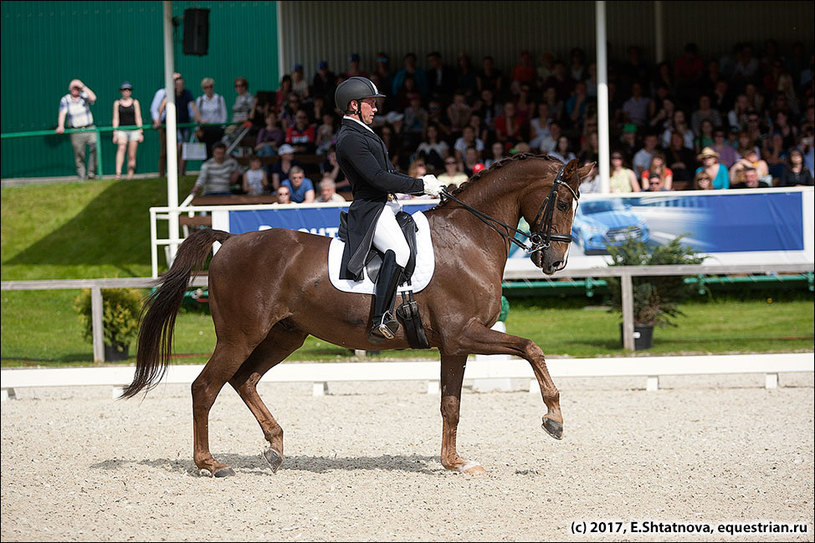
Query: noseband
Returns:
{"type": "Point", "coordinates": [542, 237]}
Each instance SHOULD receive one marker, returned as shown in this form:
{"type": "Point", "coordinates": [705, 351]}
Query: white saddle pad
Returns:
{"type": "Point", "coordinates": [425, 263]}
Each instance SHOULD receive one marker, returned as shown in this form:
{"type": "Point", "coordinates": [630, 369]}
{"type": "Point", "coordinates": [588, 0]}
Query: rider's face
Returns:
{"type": "Point", "coordinates": [368, 109]}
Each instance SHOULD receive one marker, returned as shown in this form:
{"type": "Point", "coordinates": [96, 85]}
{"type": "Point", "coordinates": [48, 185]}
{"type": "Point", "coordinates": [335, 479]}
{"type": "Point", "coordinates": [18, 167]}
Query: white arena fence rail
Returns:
{"type": "Point", "coordinates": [487, 372]}
{"type": "Point", "coordinates": [625, 273]}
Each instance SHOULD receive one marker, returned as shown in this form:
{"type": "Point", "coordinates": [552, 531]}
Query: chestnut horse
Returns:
{"type": "Point", "coordinates": [268, 290]}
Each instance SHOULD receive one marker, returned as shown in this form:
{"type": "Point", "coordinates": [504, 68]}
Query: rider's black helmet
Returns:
{"type": "Point", "coordinates": [354, 88]}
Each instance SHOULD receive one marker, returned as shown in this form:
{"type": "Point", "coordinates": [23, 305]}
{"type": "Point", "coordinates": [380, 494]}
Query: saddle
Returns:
{"type": "Point", "coordinates": [408, 310]}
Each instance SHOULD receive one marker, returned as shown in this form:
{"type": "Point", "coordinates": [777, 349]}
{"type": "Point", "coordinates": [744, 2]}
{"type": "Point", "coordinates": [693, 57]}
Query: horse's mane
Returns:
{"type": "Point", "coordinates": [493, 167]}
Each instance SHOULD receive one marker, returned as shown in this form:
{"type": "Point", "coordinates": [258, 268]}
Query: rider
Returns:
{"type": "Point", "coordinates": [363, 157]}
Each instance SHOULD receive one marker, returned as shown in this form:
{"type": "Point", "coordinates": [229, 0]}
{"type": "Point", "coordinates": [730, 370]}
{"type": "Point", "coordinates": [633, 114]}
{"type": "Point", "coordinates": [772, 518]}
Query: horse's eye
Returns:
{"type": "Point", "coordinates": [562, 206]}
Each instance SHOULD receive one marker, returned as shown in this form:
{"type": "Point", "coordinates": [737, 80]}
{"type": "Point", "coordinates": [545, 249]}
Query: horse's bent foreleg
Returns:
{"type": "Point", "coordinates": [452, 376]}
{"type": "Point", "coordinates": [206, 387]}
{"type": "Point", "coordinates": [479, 339]}
{"type": "Point", "coordinates": [279, 344]}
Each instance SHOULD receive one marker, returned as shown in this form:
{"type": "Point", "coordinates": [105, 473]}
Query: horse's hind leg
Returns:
{"type": "Point", "coordinates": [279, 344]}
{"type": "Point", "coordinates": [452, 376]}
{"type": "Point", "coordinates": [222, 365]}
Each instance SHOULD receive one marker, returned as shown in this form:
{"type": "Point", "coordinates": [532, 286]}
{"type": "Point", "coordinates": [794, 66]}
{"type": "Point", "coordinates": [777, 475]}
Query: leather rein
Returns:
{"type": "Point", "coordinates": [541, 238]}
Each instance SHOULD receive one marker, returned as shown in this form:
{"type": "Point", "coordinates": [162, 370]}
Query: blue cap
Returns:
{"type": "Point", "coordinates": [354, 57]}
{"type": "Point", "coordinates": [298, 68]}
{"type": "Point", "coordinates": [322, 64]}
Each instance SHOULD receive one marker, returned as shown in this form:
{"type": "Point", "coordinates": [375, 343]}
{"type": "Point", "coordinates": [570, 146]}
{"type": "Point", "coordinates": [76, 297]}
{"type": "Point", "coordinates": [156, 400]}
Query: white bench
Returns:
{"type": "Point", "coordinates": [320, 374]}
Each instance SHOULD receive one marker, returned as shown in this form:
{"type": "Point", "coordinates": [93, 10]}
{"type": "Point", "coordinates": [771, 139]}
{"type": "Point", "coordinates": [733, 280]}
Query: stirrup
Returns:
{"type": "Point", "coordinates": [386, 329]}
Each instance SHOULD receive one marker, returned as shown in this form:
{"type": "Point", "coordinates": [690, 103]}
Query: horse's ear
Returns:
{"type": "Point", "coordinates": [584, 172]}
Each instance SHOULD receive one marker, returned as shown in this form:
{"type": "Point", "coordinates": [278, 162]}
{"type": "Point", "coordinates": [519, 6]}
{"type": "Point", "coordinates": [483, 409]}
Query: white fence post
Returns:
{"type": "Point", "coordinates": [97, 310]}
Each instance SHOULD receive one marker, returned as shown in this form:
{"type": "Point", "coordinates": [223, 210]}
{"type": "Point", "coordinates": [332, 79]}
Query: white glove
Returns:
{"type": "Point", "coordinates": [432, 186]}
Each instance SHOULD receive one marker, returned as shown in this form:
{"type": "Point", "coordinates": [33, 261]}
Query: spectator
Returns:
{"type": "Point", "coordinates": [679, 126]}
{"type": "Point", "coordinates": [471, 160]}
{"type": "Point", "coordinates": [664, 78]}
{"type": "Point", "coordinates": [642, 158]}
{"type": "Point", "coordinates": [789, 133]}
{"type": "Point", "coordinates": [688, 70]}
{"type": "Point", "coordinates": [301, 187]}
{"type": "Point", "coordinates": [289, 111]}
{"type": "Point", "coordinates": [270, 137]}
{"type": "Point", "coordinates": [655, 184]}
{"type": "Point", "coordinates": [467, 138]}
{"type": "Point", "coordinates": [737, 117]}
{"type": "Point", "coordinates": [331, 168]}
{"type": "Point", "coordinates": [255, 179]}
{"type": "Point", "coordinates": [353, 67]}
{"type": "Point", "coordinates": [716, 171]}
{"type": "Point", "coordinates": [796, 174]}
{"type": "Point", "coordinates": [417, 168]}
{"type": "Point", "coordinates": [482, 131]}
{"type": "Point", "coordinates": [806, 148]}
{"type": "Point", "coordinates": [452, 176]}
{"type": "Point", "coordinates": [466, 79]}
{"type": "Point", "coordinates": [283, 195]}
{"type": "Point", "coordinates": [751, 180]}
{"type": "Point", "coordinates": [74, 108]}
{"type": "Point", "coordinates": [727, 154]}
{"type": "Point", "coordinates": [661, 120]}
{"type": "Point", "coordinates": [681, 160]}
{"type": "Point", "coordinates": [561, 81]}
{"type": "Point", "coordinates": [508, 126]}
{"type": "Point", "coordinates": [491, 78]}
{"type": "Point", "coordinates": [524, 106]}
{"type": "Point", "coordinates": [326, 133]}
{"type": "Point", "coordinates": [720, 97]}
{"type": "Point", "coordinates": [546, 67]}
{"type": "Point", "coordinates": [299, 84]}
{"type": "Point", "coordinates": [282, 93]}
{"type": "Point", "coordinates": [702, 181]}
{"type": "Point", "coordinates": [324, 82]}
{"type": "Point", "coordinates": [634, 69]}
{"type": "Point", "coordinates": [750, 159]}
{"type": "Point", "coordinates": [621, 179]}
{"type": "Point", "coordinates": [577, 67]}
{"type": "Point", "coordinates": [487, 108]}
{"type": "Point", "coordinates": [441, 78]}
{"type": "Point", "coordinates": [301, 136]}
{"type": "Point", "coordinates": [562, 152]}
{"type": "Point", "coordinates": [382, 71]}
{"type": "Point", "coordinates": [212, 107]}
{"type": "Point", "coordinates": [539, 126]}
{"type": "Point", "coordinates": [660, 170]}
{"type": "Point", "coordinates": [745, 142]}
{"type": "Point", "coordinates": [185, 111]}
{"type": "Point", "coordinates": [244, 101]}
{"type": "Point", "coordinates": [127, 112]}
{"type": "Point", "coordinates": [410, 69]}
{"type": "Point", "coordinates": [282, 168]}
{"type": "Point", "coordinates": [433, 150]}
{"type": "Point", "coordinates": [590, 151]}
{"type": "Point", "coordinates": [458, 112]}
{"type": "Point", "coordinates": [705, 111]}
{"type": "Point", "coordinates": [217, 174]}
{"type": "Point", "coordinates": [775, 154]}
{"type": "Point", "coordinates": [704, 137]}
{"type": "Point", "coordinates": [497, 153]}
{"type": "Point", "coordinates": [576, 105]}
{"type": "Point", "coordinates": [328, 191]}
{"type": "Point", "coordinates": [629, 144]}
{"type": "Point", "coordinates": [158, 115]}
{"type": "Point", "coordinates": [747, 66]}
{"type": "Point", "coordinates": [635, 109]}
{"type": "Point", "coordinates": [523, 73]}
{"type": "Point", "coordinates": [415, 116]}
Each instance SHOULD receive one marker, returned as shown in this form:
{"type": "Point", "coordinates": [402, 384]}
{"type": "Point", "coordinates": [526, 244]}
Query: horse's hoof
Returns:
{"type": "Point", "coordinates": [472, 468]}
{"type": "Point", "coordinates": [273, 458]}
{"type": "Point", "coordinates": [225, 472]}
{"type": "Point", "coordinates": [204, 472]}
{"type": "Point", "coordinates": [553, 428]}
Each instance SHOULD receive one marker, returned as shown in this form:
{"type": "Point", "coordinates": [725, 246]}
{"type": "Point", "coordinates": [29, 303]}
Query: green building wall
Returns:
{"type": "Point", "coordinates": [46, 44]}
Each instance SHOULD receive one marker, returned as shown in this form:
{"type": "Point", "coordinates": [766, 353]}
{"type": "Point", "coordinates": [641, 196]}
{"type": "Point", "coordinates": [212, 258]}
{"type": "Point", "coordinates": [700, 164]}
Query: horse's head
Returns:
{"type": "Point", "coordinates": [550, 221]}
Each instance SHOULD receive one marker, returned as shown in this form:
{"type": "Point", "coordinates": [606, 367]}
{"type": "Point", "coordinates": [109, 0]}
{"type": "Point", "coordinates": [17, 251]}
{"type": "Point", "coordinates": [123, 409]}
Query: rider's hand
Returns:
{"type": "Point", "coordinates": [432, 186]}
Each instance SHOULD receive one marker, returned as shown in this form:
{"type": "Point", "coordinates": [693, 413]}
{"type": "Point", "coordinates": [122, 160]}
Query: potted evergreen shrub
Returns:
{"type": "Point", "coordinates": [656, 298]}
{"type": "Point", "coordinates": [120, 319]}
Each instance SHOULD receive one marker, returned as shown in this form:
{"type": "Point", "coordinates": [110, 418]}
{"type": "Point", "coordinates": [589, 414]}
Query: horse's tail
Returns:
{"type": "Point", "coordinates": [160, 309]}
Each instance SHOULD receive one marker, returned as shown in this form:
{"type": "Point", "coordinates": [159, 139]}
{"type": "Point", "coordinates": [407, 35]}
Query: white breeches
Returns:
{"type": "Point", "coordinates": [388, 235]}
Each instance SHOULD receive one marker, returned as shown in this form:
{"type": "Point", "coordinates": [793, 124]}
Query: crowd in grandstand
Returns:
{"type": "Point", "coordinates": [702, 120]}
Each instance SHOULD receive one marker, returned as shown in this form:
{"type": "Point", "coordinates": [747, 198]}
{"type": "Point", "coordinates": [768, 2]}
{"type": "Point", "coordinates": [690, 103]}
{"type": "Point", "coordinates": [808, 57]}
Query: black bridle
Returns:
{"type": "Point", "coordinates": [539, 239]}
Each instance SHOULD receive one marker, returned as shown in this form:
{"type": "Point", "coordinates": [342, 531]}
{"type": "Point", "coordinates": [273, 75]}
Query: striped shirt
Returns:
{"type": "Point", "coordinates": [215, 178]}
{"type": "Point", "coordinates": [79, 113]}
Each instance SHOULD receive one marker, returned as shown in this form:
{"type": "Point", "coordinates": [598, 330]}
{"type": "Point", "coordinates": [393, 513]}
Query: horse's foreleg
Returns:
{"type": "Point", "coordinates": [452, 376]}
{"type": "Point", "coordinates": [482, 340]}
{"type": "Point", "coordinates": [275, 348]}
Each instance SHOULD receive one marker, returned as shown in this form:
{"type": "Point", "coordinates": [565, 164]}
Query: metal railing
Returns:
{"type": "Point", "coordinates": [100, 129]}
{"type": "Point", "coordinates": [625, 273]}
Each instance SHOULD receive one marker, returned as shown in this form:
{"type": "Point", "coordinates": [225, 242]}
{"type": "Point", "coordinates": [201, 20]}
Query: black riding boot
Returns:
{"type": "Point", "coordinates": [384, 324]}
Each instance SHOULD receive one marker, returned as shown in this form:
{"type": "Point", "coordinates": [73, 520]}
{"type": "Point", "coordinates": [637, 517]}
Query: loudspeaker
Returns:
{"type": "Point", "coordinates": [196, 31]}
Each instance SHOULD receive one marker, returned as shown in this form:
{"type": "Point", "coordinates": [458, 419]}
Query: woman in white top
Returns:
{"type": "Point", "coordinates": [562, 152]}
{"type": "Point", "coordinates": [212, 108]}
{"type": "Point", "coordinates": [539, 126]}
